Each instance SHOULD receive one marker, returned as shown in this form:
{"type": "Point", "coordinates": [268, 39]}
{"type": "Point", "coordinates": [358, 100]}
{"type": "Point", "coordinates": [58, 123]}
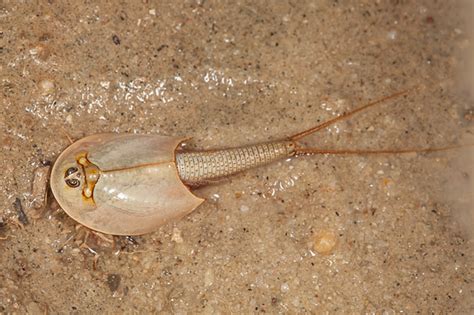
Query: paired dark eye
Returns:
{"type": "Point", "coordinates": [72, 182]}
{"type": "Point", "coordinates": [70, 171]}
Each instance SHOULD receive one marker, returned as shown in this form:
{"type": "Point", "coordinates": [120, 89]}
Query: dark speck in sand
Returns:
{"type": "Point", "coordinates": [116, 40]}
{"type": "Point", "coordinates": [20, 212]}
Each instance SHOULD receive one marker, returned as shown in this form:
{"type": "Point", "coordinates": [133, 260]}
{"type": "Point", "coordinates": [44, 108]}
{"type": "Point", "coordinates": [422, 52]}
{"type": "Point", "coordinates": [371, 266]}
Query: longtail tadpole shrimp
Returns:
{"type": "Point", "coordinates": [128, 184]}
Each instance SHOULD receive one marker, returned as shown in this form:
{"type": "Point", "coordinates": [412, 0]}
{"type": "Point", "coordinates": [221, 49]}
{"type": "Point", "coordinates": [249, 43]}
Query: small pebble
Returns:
{"type": "Point", "coordinates": [244, 208]}
{"type": "Point", "coordinates": [284, 287]}
{"type": "Point", "coordinates": [116, 40]}
{"type": "Point", "coordinates": [392, 35]}
{"type": "Point", "coordinates": [215, 197]}
{"type": "Point", "coordinates": [47, 87]}
{"type": "Point", "coordinates": [324, 242]}
{"type": "Point", "coordinates": [176, 236]}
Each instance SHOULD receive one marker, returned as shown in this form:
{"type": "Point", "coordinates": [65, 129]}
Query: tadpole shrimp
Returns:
{"type": "Point", "coordinates": [128, 184]}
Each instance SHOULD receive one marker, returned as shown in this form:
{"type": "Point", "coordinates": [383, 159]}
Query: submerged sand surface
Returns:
{"type": "Point", "coordinates": [337, 234]}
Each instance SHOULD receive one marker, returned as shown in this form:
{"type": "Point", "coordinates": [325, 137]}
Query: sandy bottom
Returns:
{"type": "Point", "coordinates": [338, 234]}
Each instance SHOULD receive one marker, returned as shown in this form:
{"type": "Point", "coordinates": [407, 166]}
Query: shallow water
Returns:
{"type": "Point", "coordinates": [230, 74]}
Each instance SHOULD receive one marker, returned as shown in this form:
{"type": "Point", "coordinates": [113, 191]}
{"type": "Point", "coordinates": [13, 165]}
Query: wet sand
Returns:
{"type": "Point", "coordinates": [234, 73]}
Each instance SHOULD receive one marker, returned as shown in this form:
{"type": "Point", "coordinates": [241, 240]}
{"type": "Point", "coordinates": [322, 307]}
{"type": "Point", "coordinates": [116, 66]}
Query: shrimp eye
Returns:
{"type": "Point", "coordinates": [70, 171]}
{"type": "Point", "coordinates": [72, 182]}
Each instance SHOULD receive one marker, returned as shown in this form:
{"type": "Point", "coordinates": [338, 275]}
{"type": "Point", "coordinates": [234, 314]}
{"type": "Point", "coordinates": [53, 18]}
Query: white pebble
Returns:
{"type": "Point", "coordinates": [176, 236]}
{"type": "Point", "coordinates": [284, 287]}
{"type": "Point", "coordinates": [244, 208]}
{"type": "Point", "coordinates": [392, 35]}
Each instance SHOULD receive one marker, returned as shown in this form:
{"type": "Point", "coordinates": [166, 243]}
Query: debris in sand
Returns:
{"type": "Point", "coordinates": [22, 218]}
{"type": "Point", "coordinates": [116, 40]}
{"type": "Point", "coordinates": [2, 230]}
{"type": "Point", "coordinates": [38, 199]}
{"type": "Point", "coordinates": [176, 236]}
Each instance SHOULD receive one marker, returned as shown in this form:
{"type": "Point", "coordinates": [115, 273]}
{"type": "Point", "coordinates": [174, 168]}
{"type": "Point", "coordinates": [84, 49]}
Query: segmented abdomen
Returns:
{"type": "Point", "coordinates": [196, 168]}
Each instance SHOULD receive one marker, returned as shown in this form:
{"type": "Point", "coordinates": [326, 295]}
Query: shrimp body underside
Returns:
{"type": "Point", "coordinates": [204, 167]}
